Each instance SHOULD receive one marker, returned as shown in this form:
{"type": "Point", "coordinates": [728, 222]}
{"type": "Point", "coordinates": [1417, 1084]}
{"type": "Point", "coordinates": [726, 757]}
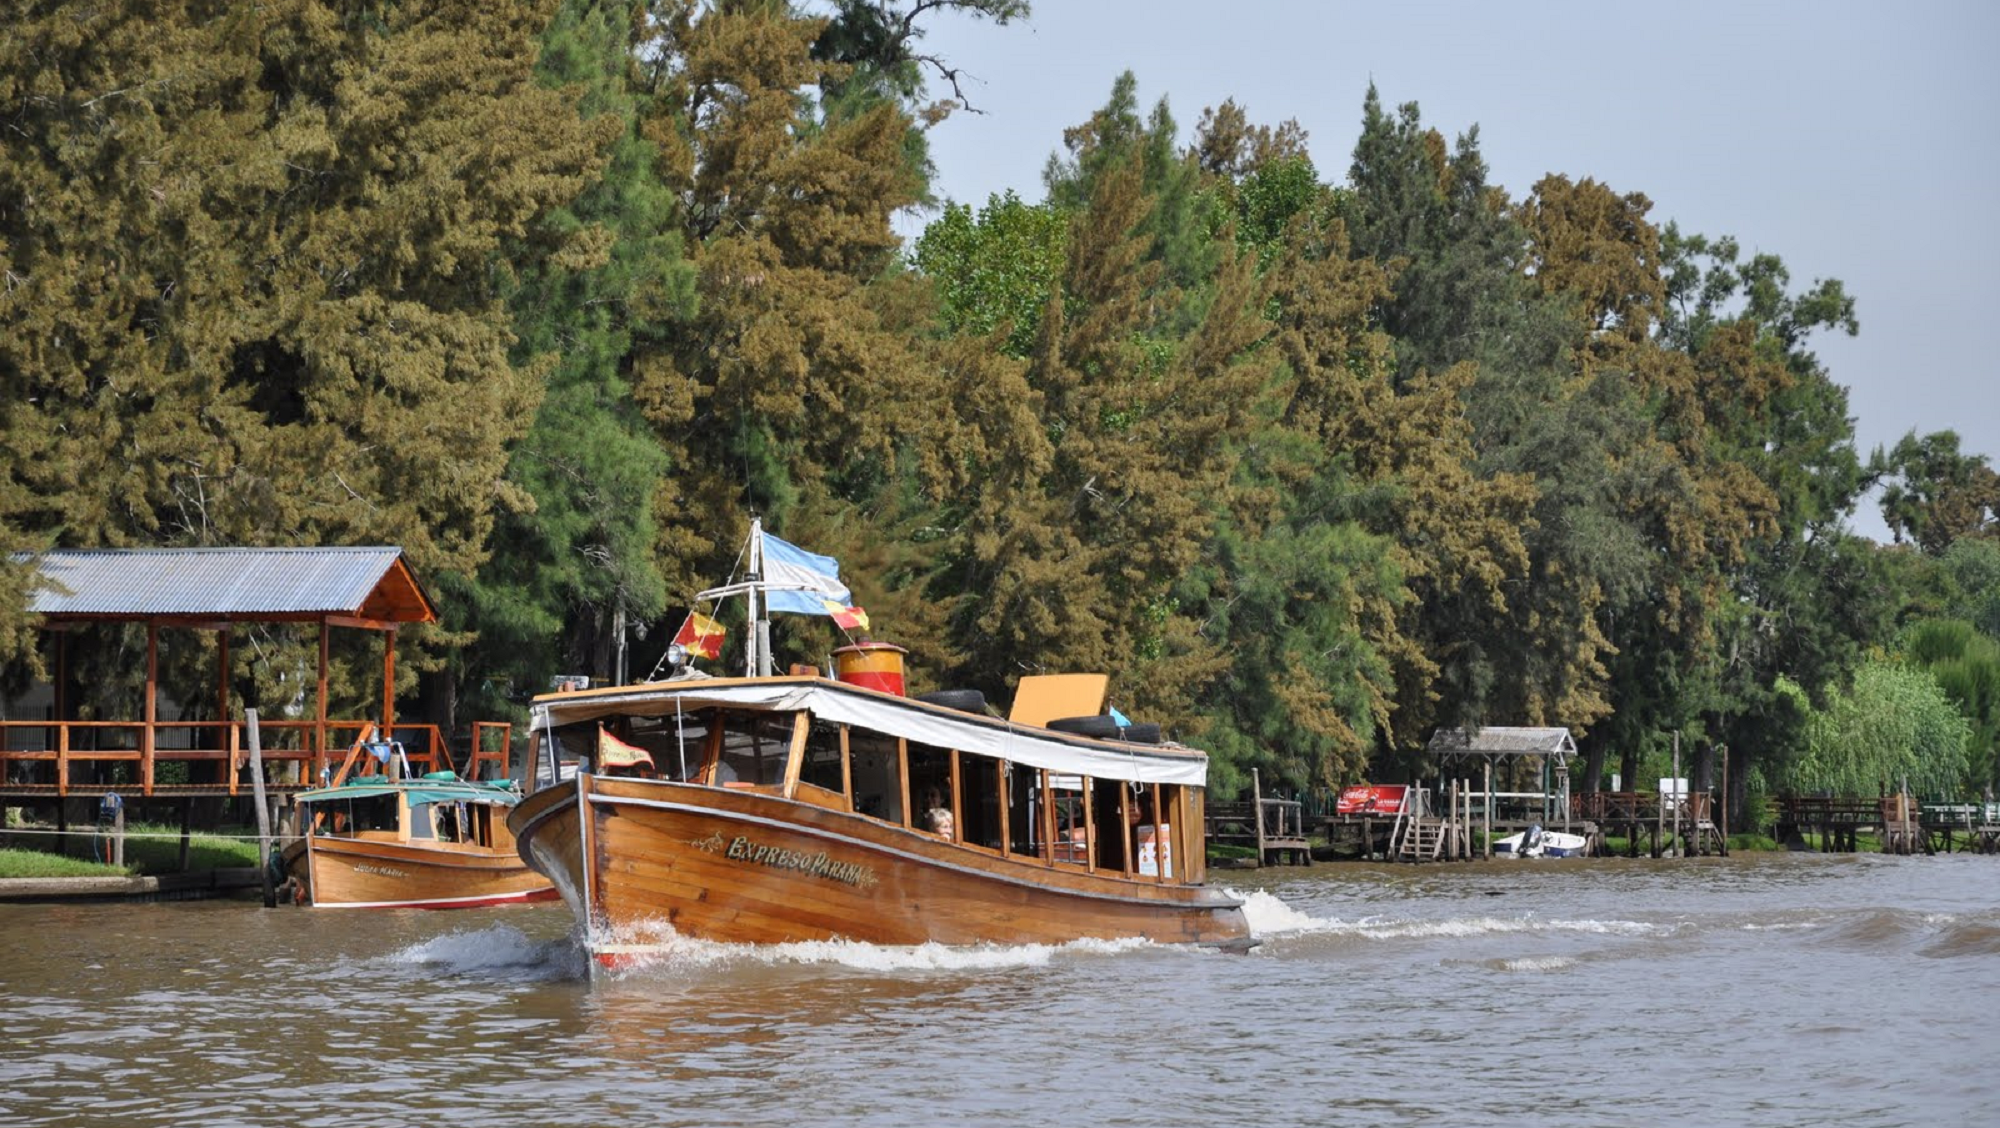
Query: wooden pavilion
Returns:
{"type": "Point", "coordinates": [217, 589]}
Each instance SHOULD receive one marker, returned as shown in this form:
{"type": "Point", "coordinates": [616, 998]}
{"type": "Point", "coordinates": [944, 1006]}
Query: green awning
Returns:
{"type": "Point", "coordinates": [418, 791]}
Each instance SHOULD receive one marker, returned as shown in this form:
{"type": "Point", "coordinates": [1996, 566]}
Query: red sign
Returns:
{"type": "Point", "coordinates": [1371, 799]}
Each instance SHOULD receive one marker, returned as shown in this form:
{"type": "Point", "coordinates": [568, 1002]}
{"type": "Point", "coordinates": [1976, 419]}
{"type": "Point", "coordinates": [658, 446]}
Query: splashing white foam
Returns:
{"type": "Point", "coordinates": [1268, 916]}
{"type": "Point", "coordinates": [1535, 963]}
{"type": "Point", "coordinates": [657, 947]}
{"type": "Point", "coordinates": [499, 948]}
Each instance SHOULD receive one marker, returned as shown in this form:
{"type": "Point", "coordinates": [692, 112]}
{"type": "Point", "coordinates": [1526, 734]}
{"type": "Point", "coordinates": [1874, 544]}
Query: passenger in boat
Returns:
{"type": "Point", "coordinates": [938, 816]}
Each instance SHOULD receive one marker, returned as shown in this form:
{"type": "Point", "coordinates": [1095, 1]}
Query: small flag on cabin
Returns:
{"type": "Point", "coordinates": [848, 618]}
{"type": "Point", "coordinates": [701, 635]}
{"type": "Point", "coordinates": [615, 753]}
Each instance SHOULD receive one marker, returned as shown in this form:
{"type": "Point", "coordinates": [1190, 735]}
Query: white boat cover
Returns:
{"type": "Point", "coordinates": [893, 716]}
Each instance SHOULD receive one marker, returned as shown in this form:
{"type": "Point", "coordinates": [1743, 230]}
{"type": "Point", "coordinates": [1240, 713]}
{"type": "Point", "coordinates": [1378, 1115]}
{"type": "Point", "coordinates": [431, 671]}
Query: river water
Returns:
{"type": "Point", "coordinates": [1757, 990]}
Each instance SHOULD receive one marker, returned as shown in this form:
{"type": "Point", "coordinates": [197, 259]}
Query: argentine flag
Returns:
{"type": "Point", "coordinates": [799, 581]}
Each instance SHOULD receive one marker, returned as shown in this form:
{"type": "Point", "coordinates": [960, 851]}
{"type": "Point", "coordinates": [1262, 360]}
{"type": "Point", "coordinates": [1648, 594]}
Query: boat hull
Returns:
{"type": "Point", "coordinates": [1552, 844]}
{"type": "Point", "coordinates": [349, 873]}
{"type": "Point", "coordinates": [630, 856]}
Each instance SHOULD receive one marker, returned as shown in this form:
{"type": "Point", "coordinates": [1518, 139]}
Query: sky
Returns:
{"type": "Point", "coordinates": [1858, 141]}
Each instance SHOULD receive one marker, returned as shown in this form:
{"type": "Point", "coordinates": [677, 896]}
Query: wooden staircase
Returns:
{"type": "Point", "coordinates": [1423, 840]}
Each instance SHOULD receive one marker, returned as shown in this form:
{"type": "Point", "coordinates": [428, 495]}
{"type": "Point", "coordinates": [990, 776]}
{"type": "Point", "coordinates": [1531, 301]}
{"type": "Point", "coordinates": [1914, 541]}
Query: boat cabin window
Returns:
{"type": "Point", "coordinates": [347, 817]}
{"type": "Point", "coordinates": [1024, 810]}
{"type": "Point", "coordinates": [877, 768]}
{"type": "Point", "coordinates": [1115, 820]}
{"type": "Point", "coordinates": [754, 748]}
{"type": "Point", "coordinates": [1072, 842]}
{"type": "Point", "coordinates": [822, 767]}
{"type": "Point", "coordinates": [446, 822]}
{"type": "Point", "coordinates": [979, 801]}
{"type": "Point", "coordinates": [930, 790]}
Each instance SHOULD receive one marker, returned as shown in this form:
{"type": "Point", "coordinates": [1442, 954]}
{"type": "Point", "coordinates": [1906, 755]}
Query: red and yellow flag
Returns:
{"type": "Point", "coordinates": [701, 635]}
{"type": "Point", "coordinates": [615, 753]}
{"type": "Point", "coordinates": [848, 618]}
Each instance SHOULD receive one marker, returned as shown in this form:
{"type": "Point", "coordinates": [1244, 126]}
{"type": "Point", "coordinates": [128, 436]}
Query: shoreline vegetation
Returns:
{"type": "Point", "coordinates": [154, 851]}
{"type": "Point", "coordinates": [1323, 443]}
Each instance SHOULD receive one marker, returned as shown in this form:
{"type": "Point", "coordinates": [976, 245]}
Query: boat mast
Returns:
{"type": "Point", "coordinates": [757, 647]}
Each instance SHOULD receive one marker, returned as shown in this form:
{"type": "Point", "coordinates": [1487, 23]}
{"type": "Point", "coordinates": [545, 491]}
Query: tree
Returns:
{"type": "Point", "coordinates": [1934, 495]}
{"type": "Point", "coordinates": [1895, 727]}
{"type": "Point", "coordinates": [1966, 666]}
{"type": "Point", "coordinates": [997, 271]}
{"type": "Point", "coordinates": [1806, 598]}
{"type": "Point", "coordinates": [578, 563]}
{"type": "Point", "coordinates": [254, 261]}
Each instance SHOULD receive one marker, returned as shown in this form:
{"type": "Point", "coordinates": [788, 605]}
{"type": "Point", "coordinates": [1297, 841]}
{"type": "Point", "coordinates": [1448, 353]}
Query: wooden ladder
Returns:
{"type": "Point", "coordinates": [1423, 840]}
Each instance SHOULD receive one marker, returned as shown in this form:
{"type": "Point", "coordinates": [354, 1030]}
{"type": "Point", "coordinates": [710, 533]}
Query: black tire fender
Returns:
{"type": "Point", "coordinates": [963, 700]}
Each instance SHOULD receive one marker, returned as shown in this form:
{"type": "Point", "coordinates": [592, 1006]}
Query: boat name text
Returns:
{"type": "Point", "coordinates": [742, 849]}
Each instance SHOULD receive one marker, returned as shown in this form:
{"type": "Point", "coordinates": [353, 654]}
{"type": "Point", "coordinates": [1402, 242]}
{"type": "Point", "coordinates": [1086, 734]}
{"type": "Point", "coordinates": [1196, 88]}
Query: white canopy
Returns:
{"type": "Point", "coordinates": [891, 716]}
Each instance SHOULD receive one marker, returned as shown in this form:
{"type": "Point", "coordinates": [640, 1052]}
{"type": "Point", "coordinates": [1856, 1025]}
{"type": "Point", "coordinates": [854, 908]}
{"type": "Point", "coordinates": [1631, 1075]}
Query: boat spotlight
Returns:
{"type": "Point", "coordinates": [677, 657]}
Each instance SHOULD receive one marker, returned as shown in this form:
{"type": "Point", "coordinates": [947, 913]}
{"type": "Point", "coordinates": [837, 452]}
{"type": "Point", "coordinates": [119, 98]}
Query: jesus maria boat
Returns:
{"type": "Point", "coordinates": [769, 809]}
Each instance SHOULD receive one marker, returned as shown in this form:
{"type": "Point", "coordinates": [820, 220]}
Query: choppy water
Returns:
{"type": "Point", "coordinates": [1764, 990]}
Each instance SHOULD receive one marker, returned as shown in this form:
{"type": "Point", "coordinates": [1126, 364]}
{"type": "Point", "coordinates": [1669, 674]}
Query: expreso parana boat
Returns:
{"type": "Point", "coordinates": [770, 809]}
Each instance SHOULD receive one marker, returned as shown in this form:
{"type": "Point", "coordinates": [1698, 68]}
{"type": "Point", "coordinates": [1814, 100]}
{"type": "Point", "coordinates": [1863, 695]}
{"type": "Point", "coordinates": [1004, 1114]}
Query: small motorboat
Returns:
{"type": "Point", "coordinates": [1535, 842]}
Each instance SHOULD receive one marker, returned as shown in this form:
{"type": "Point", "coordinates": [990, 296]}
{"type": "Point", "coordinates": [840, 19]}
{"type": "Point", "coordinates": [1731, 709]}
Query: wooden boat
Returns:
{"type": "Point", "coordinates": [769, 809]}
{"type": "Point", "coordinates": [432, 842]}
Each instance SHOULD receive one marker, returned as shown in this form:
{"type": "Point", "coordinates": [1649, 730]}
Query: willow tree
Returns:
{"type": "Point", "coordinates": [253, 258]}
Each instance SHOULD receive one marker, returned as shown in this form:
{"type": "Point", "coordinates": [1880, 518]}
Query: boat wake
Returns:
{"type": "Point", "coordinates": [662, 950]}
{"type": "Point", "coordinates": [499, 950]}
{"type": "Point", "coordinates": [1271, 918]}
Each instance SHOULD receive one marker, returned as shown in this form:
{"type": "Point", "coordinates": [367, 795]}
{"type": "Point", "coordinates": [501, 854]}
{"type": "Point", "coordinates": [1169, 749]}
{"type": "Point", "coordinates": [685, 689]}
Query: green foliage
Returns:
{"type": "Point", "coordinates": [558, 294]}
{"type": "Point", "coordinates": [1935, 496]}
{"type": "Point", "coordinates": [998, 271]}
{"type": "Point", "coordinates": [1895, 727]}
{"type": "Point", "coordinates": [1966, 664]}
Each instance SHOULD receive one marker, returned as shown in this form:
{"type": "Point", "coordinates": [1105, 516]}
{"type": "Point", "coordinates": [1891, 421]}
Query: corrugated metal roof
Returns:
{"type": "Point", "coordinates": [141, 582]}
{"type": "Point", "coordinates": [1500, 741]}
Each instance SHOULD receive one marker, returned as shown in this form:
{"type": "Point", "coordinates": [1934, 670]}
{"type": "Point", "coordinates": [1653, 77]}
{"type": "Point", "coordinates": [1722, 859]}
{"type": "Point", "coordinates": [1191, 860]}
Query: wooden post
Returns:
{"type": "Point", "coordinates": [1256, 812]}
{"type": "Point", "coordinates": [150, 737]}
{"type": "Point", "coordinates": [263, 810]}
{"type": "Point", "coordinates": [1006, 828]}
{"type": "Point", "coordinates": [957, 801]}
{"type": "Point", "coordinates": [902, 776]}
{"type": "Point", "coordinates": [1489, 810]}
{"type": "Point", "coordinates": [319, 725]}
{"type": "Point", "coordinates": [1048, 819]}
{"type": "Point", "coordinates": [389, 684]}
{"type": "Point", "coordinates": [187, 820]}
{"type": "Point", "coordinates": [1089, 824]}
{"type": "Point", "coordinates": [222, 696]}
{"type": "Point", "coordinates": [1679, 850]}
{"type": "Point", "coordinates": [117, 852]}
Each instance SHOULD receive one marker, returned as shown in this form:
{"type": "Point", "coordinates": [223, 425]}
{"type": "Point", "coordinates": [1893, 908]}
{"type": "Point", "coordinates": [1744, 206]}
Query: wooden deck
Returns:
{"type": "Point", "coordinates": [1275, 828]}
{"type": "Point", "coordinates": [1835, 825]}
{"type": "Point", "coordinates": [42, 760]}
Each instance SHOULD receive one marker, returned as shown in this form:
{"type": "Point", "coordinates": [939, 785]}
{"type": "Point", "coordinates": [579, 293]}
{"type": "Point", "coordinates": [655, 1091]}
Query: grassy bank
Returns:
{"type": "Point", "coordinates": [149, 849]}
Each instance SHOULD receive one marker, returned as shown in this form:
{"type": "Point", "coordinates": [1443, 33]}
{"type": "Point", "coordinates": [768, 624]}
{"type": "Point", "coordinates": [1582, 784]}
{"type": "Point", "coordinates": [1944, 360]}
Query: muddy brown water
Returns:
{"type": "Point", "coordinates": [1761, 990]}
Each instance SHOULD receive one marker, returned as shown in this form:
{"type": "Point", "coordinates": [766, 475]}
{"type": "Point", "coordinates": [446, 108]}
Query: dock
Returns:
{"type": "Point", "coordinates": [1273, 827]}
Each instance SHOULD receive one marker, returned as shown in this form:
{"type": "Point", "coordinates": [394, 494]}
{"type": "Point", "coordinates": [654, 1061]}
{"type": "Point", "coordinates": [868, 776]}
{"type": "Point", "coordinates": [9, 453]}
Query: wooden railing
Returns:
{"type": "Point", "coordinates": [293, 755]}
